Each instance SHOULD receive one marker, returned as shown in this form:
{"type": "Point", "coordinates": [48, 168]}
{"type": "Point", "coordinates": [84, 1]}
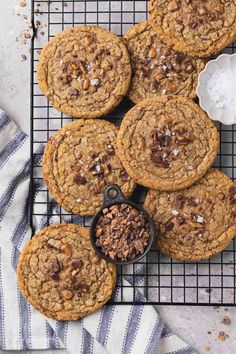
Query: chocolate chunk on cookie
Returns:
{"type": "Point", "coordinates": [197, 222]}
{"type": "Point", "coordinates": [157, 69]}
{"type": "Point", "coordinates": [79, 160]}
{"type": "Point", "coordinates": [84, 71]}
{"type": "Point", "coordinates": [61, 276]}
{"type": "Point", "coordinates": [197, 27]}
{"type": "Point", "coordinates": [167, 142]}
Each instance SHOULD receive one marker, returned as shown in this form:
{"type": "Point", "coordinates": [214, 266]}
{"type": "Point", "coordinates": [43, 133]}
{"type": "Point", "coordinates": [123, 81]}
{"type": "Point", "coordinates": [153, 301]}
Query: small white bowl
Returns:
{"type": "Point", "coordinates": [223, 115]}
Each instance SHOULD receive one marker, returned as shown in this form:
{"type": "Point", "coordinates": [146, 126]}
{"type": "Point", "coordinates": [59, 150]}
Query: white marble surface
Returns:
{"type": "Point", "coordinates": [191, 323]}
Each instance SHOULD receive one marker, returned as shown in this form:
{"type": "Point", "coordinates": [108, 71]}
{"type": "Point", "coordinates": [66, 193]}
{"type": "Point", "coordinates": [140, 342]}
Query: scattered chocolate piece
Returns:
{"type": "Point", "coordinates": [222, 336]}
{"type": "Point", "coordinates": [110, 149]}
{"type": "Point", "coordinates": [80, 179]}
{"type": "Point", "coordinates": [24, 57]}
{"type": "Point", "coordinates": [54, 270]}
{"type": "Point", "coordinates": [166, 144]}
{"type": "Point", "coordinates": [180, 58]}
{"type": "Point", "coordinates": [123, 175]}
{"type": "Point", "coordinates": [232, 195]}
{"type": "Point", "coordinates": [208, 290]}
{"type": "Point", "coordinates": [122, 232]}
{"type": "Point", "coordinates": [169, 226]}
{"type": "Point", "coordinates": [74, 92]}
{"type": "Point", "coordinates": [193, 25]}
{"type": "Point", "coordinates": [226, 320]}
{"type": "Point", "coordinates": [77, 263]}
{"type": "Point", "coordinates": [27, 35]}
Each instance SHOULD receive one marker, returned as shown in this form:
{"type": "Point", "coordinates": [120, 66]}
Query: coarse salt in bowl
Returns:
{"type": "Point", "coordinates": [217, 89]}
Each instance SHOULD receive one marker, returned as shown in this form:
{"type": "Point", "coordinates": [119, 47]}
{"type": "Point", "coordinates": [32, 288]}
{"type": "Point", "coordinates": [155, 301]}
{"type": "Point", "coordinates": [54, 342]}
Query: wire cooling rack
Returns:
{"type": "Point", "coordinates": [160, 279]}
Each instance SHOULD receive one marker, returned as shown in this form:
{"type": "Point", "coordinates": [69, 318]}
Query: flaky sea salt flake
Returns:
{"type": "Point", "coordinates": [175, 212]}
{"type": "Point", "coordinates": [175, 152]}
{"type": "Point", "coordinates": [95, 82]}
{"type": "Point", "coordinates": [168, 132]}
{"type": "Point", "coordinates": [200, 219]}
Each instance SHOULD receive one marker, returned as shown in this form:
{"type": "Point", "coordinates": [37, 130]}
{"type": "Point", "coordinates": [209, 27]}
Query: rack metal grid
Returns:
{"type": "Point", "coordinates": [160, 279]}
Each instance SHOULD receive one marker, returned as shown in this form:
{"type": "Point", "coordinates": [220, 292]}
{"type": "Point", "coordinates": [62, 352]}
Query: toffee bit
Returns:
{"type": "Point", "coordinates": [78, 179]}
{"type": "Point", "coordinates": [169, 226]}
{"type": "Point", "coordinates": [208, 290]}
{"type": "Point", "coordinates": [74, 92]}
{"type": "Point", "coordinates": [222, 336]}
{"type": "Point", "coordinates": [226, 320]}
{"type": "Point", "coordinates": [77, 263]}
{"type": "Point", "coordinates": [124, 176]}
{"type": "Point", "coordinates": [22, 3]}
{"type": "Point", "coordinates": [24, 57]}
{"type": "Point", "coordinates": [110, 149]}
{"type": "Point", "coordinates": [122, 232]}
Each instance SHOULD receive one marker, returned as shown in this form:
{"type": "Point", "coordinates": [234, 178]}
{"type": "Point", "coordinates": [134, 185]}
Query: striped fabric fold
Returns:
{"type": "Point", "coordinates": [113, 329]}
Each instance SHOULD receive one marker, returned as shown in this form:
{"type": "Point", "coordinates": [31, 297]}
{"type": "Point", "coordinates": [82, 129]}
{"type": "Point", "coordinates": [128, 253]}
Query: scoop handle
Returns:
{"type": "Point", "coordinates": [112, 195]}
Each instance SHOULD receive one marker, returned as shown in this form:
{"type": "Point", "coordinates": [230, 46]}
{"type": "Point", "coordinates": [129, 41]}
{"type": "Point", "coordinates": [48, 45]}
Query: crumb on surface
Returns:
{"type": "Point", "coordinates": [22, 3]}
{"type": "Point", "coordinates": [222, 336]}
{"type": "Point", "coordinates": [226, 320]}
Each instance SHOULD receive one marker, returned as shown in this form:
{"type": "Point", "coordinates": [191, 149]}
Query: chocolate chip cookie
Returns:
{"type": "Point", "coordinates": [84, 71]}
{"type": "Point", "coordinates": [157, 69]}
{"type": "Point", "coordinates": [197, 222]}
{"type": "Point", "coordinates": [167, 142]}
{"type": "Point", "coordinates": [79, 160]}
{"type": "Point", "coordinates": [61, 276]}
{"type": "Point", "coordinates": [197, 27]}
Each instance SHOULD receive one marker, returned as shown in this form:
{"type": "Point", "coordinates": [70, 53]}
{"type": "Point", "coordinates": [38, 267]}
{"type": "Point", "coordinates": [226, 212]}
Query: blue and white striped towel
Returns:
{"type": "Point", "coordinates": [114, 329]}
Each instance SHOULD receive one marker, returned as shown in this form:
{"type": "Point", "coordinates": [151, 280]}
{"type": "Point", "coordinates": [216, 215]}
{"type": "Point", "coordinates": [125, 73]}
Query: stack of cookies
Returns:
{"type": "Point", "coordinates": [165, 143]}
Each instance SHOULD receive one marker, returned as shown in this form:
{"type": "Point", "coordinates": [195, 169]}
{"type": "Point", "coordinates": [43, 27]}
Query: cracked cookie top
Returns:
{"type": "Point", "coordinates": [197, 222]}
{"type": "Point", "coordinates": [84, 71]}
{"type": "Point", "coordinates": [197, 27]}
{"type": "Point", "coordinates": [157, 69]}
{"type": "Point", "coordinates": [167, 142]}
{"type": "Point", "coordinates": [79, 160]}
{"type": "Point", "coordinates": [60, 274]}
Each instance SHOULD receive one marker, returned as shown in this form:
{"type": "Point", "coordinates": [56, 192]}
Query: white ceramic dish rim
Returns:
{"type": "Point", "coordinates": [216, 114]}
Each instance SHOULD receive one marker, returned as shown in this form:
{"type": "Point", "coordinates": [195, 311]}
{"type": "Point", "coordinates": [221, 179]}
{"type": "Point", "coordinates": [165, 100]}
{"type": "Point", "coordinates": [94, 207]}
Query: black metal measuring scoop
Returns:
{"type": "Point", "coordinates": [112, 196]}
